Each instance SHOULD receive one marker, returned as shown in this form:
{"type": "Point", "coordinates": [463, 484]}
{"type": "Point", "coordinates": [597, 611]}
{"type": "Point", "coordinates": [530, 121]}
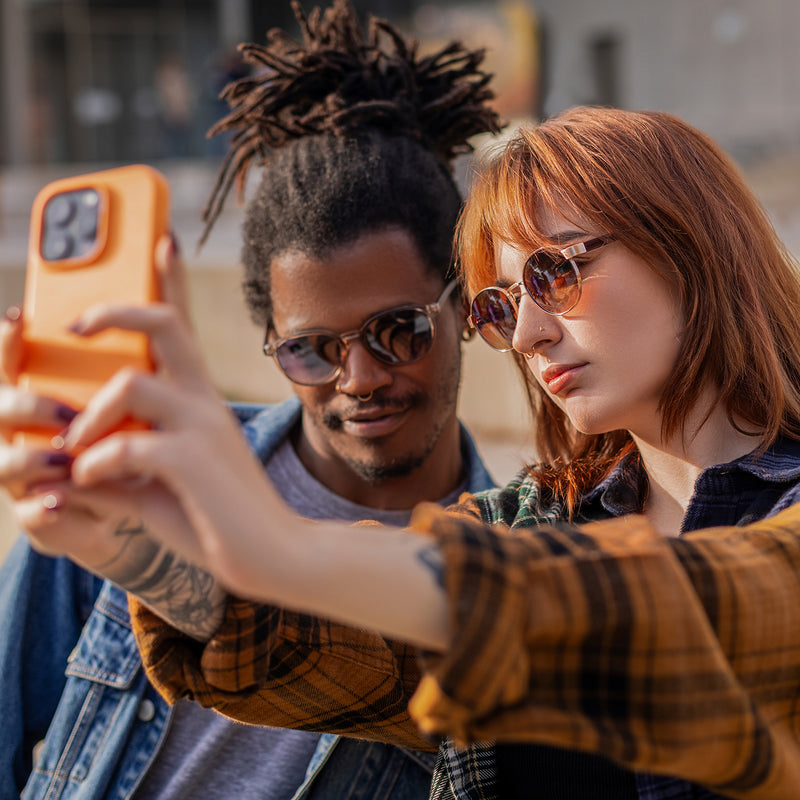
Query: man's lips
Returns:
{"type": "Point", "coordinates": [374, 421]}
{"type": "Point", "coordinates": [558, 377]}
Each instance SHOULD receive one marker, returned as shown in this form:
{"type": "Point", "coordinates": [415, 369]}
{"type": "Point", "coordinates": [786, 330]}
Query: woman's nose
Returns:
{"type": "Point", "coordinates": [535, 328]}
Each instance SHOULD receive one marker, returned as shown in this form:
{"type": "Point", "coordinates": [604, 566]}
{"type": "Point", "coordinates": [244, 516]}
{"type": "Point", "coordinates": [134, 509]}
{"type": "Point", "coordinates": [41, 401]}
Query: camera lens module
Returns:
{"type": "Point", "coordinates": [70, 225]}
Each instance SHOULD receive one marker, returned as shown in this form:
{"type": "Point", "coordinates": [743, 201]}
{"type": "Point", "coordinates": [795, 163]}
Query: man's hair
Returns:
{"type": "Point", "coordinates": [670, 195]}
{"type": "Point", "coordinates": [355, 134]}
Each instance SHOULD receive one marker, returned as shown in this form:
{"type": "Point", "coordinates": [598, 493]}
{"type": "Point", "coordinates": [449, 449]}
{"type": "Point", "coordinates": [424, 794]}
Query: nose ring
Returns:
{"type": "Point", "coordinates": [541, 329]}
{"type": "Point", "coordinates": [365, 397]}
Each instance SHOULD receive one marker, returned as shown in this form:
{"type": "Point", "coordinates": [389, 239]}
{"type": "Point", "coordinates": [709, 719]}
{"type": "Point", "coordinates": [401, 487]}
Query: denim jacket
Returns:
{"type": "Point", "coordinates": [101, 721]}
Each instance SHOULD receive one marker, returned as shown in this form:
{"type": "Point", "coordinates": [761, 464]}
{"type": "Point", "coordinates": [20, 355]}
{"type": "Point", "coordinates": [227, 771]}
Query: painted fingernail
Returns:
{"type": "Point", "coordinates": [58, 459]}
{"type": "Point", "coordinates": [65, 413]}
{"type": "Point", "coordinates": [52, 501]}
{"type": "Point", "coordinates": [13, 313]}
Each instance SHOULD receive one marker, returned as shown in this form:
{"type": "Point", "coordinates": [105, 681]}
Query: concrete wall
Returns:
{"type": "Point", "coordinates": [728, 66]}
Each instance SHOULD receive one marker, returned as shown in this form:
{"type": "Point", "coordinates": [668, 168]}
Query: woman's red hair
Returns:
{"type": "Point", "coordinates": [669, 194]}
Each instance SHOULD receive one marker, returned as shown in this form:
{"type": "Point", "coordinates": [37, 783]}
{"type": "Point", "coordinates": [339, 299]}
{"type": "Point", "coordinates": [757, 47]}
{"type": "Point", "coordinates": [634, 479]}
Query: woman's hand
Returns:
{"type": "Point", "coordinates": [198, 489]}
{"type": "Point", "coordinates": [191, 474]}
{"type": "Point", "coordinates": [103, 528]}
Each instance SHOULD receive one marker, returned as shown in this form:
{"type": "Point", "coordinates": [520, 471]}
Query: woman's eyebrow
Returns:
{"type": "Point", "coordinates": [567, 237]}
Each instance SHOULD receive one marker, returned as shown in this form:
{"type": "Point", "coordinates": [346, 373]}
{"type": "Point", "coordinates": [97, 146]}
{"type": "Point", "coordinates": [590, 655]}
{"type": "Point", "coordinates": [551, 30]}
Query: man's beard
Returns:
{"type": "Point", "coordinates": [374, 472]}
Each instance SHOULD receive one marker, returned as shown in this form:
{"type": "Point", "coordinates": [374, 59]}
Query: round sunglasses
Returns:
{"type": "Point", "coordinates": [396, 337]}
{"type": "Point", "coordinates": [551, 278]}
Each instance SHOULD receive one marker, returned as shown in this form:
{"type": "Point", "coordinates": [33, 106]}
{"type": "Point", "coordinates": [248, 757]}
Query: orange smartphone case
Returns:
{"type": "Point", "coordinates": [92, 240]}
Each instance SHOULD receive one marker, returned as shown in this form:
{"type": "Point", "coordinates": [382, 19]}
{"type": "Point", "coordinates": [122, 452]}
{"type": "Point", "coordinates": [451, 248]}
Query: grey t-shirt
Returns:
{"type": "Point", "coordinates": [209, 756]}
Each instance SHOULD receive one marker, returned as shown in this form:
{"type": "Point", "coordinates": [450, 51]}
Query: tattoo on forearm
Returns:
{"type": "Point", "coordinates": [183, 594]}
{"type": "Point", "coordinates": [431, 557]}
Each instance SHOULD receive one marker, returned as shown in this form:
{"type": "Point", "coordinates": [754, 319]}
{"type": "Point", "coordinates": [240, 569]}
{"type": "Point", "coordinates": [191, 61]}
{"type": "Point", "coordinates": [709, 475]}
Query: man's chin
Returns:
{"type": "Point", "coordinates": [375, 472]}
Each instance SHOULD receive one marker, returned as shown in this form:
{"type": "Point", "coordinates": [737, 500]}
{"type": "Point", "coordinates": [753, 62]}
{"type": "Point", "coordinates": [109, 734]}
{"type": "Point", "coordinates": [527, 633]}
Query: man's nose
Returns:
{"type": "Point", "coordinates": [361, 373]}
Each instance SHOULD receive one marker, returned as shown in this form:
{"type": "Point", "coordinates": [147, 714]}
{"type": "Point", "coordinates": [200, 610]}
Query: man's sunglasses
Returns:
{"type": "Point", "coordinates": [553, 281]}
{"type": "Point", "coordinates": [396, 337]}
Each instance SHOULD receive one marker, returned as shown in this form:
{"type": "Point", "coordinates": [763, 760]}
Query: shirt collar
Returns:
{"type": "Point", "coordinates": [623, 491]}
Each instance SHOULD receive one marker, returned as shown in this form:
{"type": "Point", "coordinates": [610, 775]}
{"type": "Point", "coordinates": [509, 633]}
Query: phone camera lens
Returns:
{"type": "Point", "coordinates": [61, 209]}
{"type": "Point", "coordinates": [58, 246]}
{"type": "Point", "coordinates": [71, 224]}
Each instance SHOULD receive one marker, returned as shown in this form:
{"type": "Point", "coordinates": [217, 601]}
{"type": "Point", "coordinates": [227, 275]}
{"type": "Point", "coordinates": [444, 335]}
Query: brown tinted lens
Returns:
{"type": "Point", "coordinates": [310, 360]}
{"type": "Point", "coordinates": [400, 336]}
{"type": "Point", "coordinates": [495, 316]}
{"type": "Point", "coordinates": [552, 282]}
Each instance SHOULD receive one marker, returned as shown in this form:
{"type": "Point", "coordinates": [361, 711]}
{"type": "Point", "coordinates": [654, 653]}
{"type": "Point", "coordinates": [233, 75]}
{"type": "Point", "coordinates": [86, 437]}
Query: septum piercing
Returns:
{"type": "Point", "coordinates": [364, 398]}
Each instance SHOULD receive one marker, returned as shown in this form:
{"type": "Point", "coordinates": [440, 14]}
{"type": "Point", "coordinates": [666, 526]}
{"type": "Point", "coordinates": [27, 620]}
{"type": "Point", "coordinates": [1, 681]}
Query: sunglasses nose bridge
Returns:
{"type": "Point", "coordinates": [360, 372]}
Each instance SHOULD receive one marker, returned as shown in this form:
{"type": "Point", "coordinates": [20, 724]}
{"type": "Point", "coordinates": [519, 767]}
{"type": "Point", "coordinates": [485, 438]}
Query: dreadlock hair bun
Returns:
{"type": "Point", "coordinates": [339, 81]}
{"type": "Point", "coordinates": [354, 134]}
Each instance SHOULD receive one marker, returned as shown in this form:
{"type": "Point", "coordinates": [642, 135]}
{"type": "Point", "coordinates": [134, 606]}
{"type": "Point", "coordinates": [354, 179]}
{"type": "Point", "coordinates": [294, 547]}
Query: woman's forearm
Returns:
{"type": "Point", "coordinates": [371, 577]}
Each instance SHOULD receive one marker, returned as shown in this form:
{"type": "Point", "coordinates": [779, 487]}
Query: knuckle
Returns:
{"type": "Point", "coordinates": [167, 317]}
{"type": "Point", "coordinates": [128, 382]}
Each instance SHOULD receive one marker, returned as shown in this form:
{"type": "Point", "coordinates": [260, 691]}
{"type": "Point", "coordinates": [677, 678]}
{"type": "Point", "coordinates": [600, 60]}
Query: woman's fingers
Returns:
{"type": "Point", "coordinates": [55, 527]}
{"type": "Point", "coordinates": [128, 395]}
{"type": "Point", "coordinates": [22, 467]}
{"type": "Point", "coordinates": [27, 410]}
{"type": "Point", "coordinates": [30, 412]}
{"type": "Point", "coordinates": [173, 279]}
{"type": "Point", "coordinates": [10, 344]}
{"type": "Point", "coordinates": [172, 345]}
{"type": "Point", "coordinates": [144, 456]}
{"type": "Point", "coordinates": [101, 530]}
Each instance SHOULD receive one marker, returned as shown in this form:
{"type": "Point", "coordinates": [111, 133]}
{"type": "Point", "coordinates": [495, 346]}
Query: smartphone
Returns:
{"type": "Point", "coordinates": [92, 239]}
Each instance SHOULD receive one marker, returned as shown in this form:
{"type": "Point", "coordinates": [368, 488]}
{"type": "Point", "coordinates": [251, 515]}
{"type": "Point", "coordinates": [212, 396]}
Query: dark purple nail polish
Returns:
{"type": "Point", "coordinates": [58, 459]}
{"type": "Point", "coordinates": [65, 413]}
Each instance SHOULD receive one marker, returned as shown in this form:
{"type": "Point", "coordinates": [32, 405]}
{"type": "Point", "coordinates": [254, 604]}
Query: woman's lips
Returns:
{"type": "Point", "coordinates": [559, 377]}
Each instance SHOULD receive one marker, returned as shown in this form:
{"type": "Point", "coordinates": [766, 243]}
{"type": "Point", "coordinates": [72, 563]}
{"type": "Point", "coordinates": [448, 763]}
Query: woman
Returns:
{"type": "Point", "coordinates": [652, 313]}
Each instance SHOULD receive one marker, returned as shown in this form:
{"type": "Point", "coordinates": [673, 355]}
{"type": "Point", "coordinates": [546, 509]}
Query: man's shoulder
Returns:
{"type": "Point", "coordinates": [264, 413]}
{"type": "Point", "coordinates": [266, 426]}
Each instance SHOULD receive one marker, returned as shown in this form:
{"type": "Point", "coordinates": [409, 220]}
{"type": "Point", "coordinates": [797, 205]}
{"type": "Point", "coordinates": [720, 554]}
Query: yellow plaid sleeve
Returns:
{"type": "Point", "coordinates": [679, 656]}
{"type": "Point", "coordinates": [268, 666]}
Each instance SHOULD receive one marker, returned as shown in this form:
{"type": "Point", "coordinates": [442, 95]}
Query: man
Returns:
{"type": "Point", "coordinates": [347, 255]}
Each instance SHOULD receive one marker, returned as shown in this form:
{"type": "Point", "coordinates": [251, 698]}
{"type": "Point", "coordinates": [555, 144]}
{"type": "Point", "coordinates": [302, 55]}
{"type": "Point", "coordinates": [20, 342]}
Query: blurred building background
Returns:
{"type": "Point", "coordinates": [86, 84]}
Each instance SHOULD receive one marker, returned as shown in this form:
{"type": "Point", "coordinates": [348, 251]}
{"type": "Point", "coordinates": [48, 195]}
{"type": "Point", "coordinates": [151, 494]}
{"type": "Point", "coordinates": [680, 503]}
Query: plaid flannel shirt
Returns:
{"type": "Point", "coordinates": [675, 656]}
